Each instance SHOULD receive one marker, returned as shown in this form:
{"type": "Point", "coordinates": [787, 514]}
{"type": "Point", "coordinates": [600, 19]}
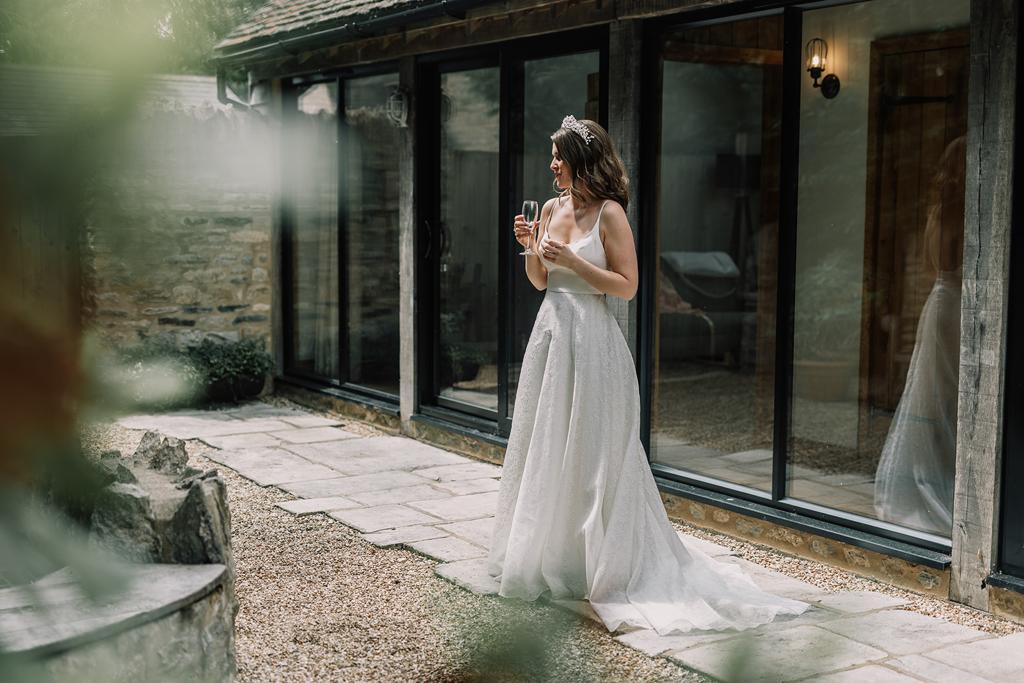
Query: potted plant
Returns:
{"type": "Point", "coordinates": [233, 370]}
{"type": "Point", "coordinates": [826, 328]}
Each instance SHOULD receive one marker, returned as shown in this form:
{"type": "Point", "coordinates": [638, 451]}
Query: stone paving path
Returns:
{"type": "Point", "coordinates": [398, 491]}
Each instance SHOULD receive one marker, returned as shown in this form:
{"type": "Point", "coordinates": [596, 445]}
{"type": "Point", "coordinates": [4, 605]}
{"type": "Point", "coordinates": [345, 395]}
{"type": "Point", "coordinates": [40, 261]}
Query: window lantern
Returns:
{"type": "Point", "coordinates": [817, 62]}
{"type": "Point", "coordinates": [398, 107]}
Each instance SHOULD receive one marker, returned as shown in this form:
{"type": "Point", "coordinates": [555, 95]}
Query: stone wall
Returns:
{"type": "Point", "coordinates": [179, 244]}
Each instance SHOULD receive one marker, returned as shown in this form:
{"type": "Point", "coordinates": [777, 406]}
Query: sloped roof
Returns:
{"type": "Point", "coordinates": [281, 17]}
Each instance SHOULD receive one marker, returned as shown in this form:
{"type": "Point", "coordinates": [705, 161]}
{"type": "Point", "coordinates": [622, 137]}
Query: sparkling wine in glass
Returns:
{"type": "Point", "coordinates": [530, 211]}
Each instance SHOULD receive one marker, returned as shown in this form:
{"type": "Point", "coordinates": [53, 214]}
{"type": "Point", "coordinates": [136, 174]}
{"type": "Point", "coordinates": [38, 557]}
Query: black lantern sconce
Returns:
{"type": "Point", "coordinates": [817, 62]}
{"type": "Point", "coordinates": [398, 107]}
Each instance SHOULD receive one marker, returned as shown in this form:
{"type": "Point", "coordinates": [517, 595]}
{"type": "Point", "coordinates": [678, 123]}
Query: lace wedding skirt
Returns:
{"type": "Point", "coordinates": [579, 515]}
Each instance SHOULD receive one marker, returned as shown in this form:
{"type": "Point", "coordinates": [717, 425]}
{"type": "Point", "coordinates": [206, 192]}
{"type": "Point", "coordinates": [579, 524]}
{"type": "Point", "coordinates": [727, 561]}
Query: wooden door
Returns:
{"type": "Point", "coordinates": [917, 107]}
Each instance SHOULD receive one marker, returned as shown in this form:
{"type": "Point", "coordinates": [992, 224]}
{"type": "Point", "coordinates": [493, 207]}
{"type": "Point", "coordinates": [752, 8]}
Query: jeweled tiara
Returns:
{"type": "Point", "coordinates": [572, 124]}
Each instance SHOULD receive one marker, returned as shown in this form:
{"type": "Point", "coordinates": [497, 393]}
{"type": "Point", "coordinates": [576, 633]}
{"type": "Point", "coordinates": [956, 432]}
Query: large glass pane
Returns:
{"type": "Point", "coordinates": [718, 195]}
{"type": "Point", "coordinates": [312, 150]}
{"type": "Point", "coordinates": [468, 307]}
{"type": "Point", "coordinates": [554, 87]}
{"type": "Point", "coordinates": [878, 263]}
{"type": "Point", "coordinates": [370, 232]}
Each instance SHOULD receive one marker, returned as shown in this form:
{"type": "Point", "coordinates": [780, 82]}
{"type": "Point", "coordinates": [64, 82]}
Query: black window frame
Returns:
{"type": "Point", "coordinates": [291, 87]}
{"type": "Point", "coordinates": [735, 496]}
{"type": "Point", "coordinates": [509, 57]}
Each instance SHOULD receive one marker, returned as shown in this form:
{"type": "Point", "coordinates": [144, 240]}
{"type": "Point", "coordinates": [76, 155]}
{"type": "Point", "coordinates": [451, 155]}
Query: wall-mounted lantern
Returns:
{"type": "Point", "coordinates": [398, 107]}
{"type": "Point", "coordinates": [817, 62]}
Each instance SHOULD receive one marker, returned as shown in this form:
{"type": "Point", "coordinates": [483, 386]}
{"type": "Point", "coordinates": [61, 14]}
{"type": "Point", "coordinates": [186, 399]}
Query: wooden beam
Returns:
{"type": "Point", "coordinates": [407, 255]}
{"type": "Point", "coordinates": [624, 103]}
{"type": "Point", "coordinates": [677, 51]}
{"type": "Point", "coordinates": [990, 142]}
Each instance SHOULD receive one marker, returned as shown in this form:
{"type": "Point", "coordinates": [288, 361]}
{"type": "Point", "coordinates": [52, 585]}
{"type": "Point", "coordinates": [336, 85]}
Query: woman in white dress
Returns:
{"type": "Point", "coordinates": [579, 515]}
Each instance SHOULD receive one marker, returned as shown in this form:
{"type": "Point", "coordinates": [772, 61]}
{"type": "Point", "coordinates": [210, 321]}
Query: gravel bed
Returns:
{"type": "Point", "coordinates": [319, 603]}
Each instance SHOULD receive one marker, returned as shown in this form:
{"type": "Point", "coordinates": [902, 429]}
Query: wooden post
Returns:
{"type": "Point", "coordinates": [408, 394]}
{"type": "Point", "coordinates": [990, 138]}
{"type": "Point", "coordinates": [624, 72]}
{"type": "Point", "coordinates": [277, 313]}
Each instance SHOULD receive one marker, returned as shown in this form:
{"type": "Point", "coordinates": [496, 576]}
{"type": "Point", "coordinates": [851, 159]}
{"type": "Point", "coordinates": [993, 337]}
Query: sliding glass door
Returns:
{"type": "Point", "coordinates": [340, 275]}
{"type": "Point", "coordinates": [806, 271]}
{"type": "Point", "coordinates": [484, 147]}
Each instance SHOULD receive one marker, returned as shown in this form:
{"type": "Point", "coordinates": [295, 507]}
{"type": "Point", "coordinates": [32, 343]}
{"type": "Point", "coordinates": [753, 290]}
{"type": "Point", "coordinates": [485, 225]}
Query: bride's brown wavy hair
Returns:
{"type": "Point", "coordinates": [596, 166]}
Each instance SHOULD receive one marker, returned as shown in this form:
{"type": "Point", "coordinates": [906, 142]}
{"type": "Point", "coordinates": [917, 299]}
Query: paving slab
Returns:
{"type": "Point", "coordinates": [651, 643]}
{"type": "Point", "coordinates": [864, 674]}
{"type": "Point", "coordinates": [273, 476]}
{"type": "Point", "coordinates": [241, 441]}
{"type": "Point", "coordinates": [230, 427]}
{"type": "Point", "coordinates": [776, 583]}
{"type": "Point", "coordinates": [465, 470]}
{"type": "Point", "coordinates": [405, 534]}
{"type": "Point", "coordinates": [931, 670]}
{"type": "Point", "coordinates": [746, 457]}
{"type": "Point", "coordinates": [448, 549]}
{"type": "Point", "coordinates": [477, 531]}
{"type": "Point", "coordinates": [344, 486]}
{"type": "Point", "coordinates": [257, 409]}
{"type": "Point", "coordinates": [458, 508]}
{"type": "Point", "coordinates": [997, 659]}
{"type": "Point", "coordinates": [381, 517]}
{"type": "Point", "coordinates": [309, 506]}
{"type": "Point", "coordinates": [461, 487]}
{"type": "Point", "coordinates": [402, 494]}
{"type": "Point", "coordinates": [314, 435]}
{"type": "Point", "coordinates": [304, 421]}
{"type": "Point", "coordinates": [355, 457]}
{"type": "Point", "coordinates": [470, 574]}
{"type": "Point", "coordinates": [860, 601]}
{"type": "Point", "coordinates": [787, 655]}
{"type": "Point", "coordinates": [901, 632]}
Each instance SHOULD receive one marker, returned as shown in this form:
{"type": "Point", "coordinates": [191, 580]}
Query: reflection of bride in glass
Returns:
{"type": "Point", "coordinates": [914, 480]}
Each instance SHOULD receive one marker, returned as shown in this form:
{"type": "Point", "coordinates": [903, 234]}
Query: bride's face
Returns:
{"type": "Point", "coordinates": [561, 170]}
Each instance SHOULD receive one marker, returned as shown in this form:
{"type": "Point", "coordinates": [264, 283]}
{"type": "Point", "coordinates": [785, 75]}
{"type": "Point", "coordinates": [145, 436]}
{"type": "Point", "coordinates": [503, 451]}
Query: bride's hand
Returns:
{"type": "Point", "coordinates": [560, 254]}
{"type": "Point", "coordinates": [523, 231]}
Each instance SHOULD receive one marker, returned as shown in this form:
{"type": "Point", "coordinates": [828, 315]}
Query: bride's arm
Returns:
{"type": "Point", "coordinates": [621, 277]}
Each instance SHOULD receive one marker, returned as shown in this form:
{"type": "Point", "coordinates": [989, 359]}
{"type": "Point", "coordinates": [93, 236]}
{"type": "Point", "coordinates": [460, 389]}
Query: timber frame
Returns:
{"type": "Point", "coordinates": [986, 405]}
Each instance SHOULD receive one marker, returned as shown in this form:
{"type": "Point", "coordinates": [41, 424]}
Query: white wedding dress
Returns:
{"type": "Point", "coordinates": [579, 514]}
{"type": "Point", "coordinates": [914, 479]}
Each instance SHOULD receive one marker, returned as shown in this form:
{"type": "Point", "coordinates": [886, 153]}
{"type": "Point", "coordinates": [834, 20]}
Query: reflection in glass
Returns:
{"type": "Point", "coordinates": [554, 87]}
{"type": "Point", "coordinates": [370, 230]}
{"type": "Point", "coordinates": [914, 480]}
{"type": "Point", "coordinates": [313, 160]}
{"type": "Point", "coordinates": [718, 196]}
{"type": "Point", "coordinates": [879, 247]}
{"type": "Point", "coordinates": [469, 251]}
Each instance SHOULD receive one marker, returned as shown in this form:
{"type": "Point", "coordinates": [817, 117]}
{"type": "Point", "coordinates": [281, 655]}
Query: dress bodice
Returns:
{"type": "Point", "coordinates": [588, 247]}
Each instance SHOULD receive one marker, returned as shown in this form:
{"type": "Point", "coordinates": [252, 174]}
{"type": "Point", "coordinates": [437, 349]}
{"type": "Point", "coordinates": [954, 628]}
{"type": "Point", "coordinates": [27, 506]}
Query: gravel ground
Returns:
{"type": "Point", "coordinates": [318, 603]}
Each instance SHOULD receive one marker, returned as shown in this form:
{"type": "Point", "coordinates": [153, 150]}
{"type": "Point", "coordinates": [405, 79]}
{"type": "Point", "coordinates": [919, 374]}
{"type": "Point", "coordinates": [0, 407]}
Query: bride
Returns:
{"type": "Point", "coordinates": [579, 515]}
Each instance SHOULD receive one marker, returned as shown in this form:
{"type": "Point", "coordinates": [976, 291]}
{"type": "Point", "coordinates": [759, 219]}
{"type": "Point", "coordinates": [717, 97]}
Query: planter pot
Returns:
{"type": "Point", "coordinates": [823, 380]}
{"type": "Point", "coordinates": [220, 391]}
{"type": "Point", "coordinates": [249, 386]}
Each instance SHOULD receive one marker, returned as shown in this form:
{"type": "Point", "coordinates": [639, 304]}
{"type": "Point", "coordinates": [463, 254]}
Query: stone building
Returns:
{"type": "Point", "coordinates": [822, 196]}
{"type": "Point", "coordinates": [176, 237]}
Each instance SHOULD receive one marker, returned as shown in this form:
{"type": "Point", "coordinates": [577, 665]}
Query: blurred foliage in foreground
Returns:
{"type": "Point", "coordinates": [57, 379]}
{"type": "Point", "coordinates": [180, 33]}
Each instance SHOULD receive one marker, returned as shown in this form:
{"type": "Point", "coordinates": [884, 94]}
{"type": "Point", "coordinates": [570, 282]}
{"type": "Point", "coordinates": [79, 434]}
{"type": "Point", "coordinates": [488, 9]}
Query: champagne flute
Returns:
{"type": "Point", "coordinates": [530, 211]}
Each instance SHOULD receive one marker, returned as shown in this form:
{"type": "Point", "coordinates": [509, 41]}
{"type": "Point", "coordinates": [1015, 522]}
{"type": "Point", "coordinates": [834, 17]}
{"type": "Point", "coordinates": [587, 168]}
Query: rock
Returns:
{"type": "Point", "coordinates": [191, 474]}
{"type": "Point", "coordinates": [112, 465]}
{"type": "Point", "coordinates": [200, 530]}
{"type": "Point", "coordinates": [162, 453]}
{"type": "Point", "coordinates": [123, 522]}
